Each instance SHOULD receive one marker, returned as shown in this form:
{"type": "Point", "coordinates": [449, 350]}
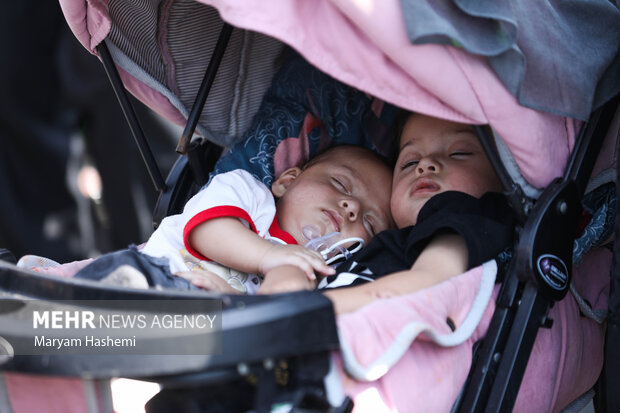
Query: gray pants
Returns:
{"type": "Point", "coordinates": [156, 271]}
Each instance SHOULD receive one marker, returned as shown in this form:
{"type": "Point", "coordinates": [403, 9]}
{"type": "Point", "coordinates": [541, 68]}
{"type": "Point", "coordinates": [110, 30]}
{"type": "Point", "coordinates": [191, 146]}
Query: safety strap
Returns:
{"type": "Point", "coordinates": [585, 308]}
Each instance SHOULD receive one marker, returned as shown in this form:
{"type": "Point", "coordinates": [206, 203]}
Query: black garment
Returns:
{"type": "Point", "coordinates": [486, 224]}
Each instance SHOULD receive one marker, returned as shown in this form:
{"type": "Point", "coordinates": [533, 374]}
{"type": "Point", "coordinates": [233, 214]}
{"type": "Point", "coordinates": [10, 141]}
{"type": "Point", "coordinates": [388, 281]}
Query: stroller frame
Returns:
{"type": "Point", "coordinates": [526, 295]}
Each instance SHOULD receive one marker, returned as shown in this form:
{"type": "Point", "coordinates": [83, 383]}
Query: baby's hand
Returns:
{"type": "Point", "coordinates": [285, 279]}
{"type": "Point", "coordinates": [306, 260]}
{"type": "Point", "coordinates": [207, 281]}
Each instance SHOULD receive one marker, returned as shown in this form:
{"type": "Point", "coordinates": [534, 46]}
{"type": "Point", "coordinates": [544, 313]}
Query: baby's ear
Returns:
{"type": "Point", "coordinates": [280, 185]}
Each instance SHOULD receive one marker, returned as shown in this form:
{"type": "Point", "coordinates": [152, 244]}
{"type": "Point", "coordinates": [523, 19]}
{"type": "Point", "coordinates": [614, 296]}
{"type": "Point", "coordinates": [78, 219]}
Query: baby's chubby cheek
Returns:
{"type": "Point", "coordinates": [406, 220]}
{"type": "Point", "coordinates": [404, 214]}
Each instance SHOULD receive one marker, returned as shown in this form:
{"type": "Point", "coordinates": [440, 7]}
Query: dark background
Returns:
{"type": "Point", "coordinates": [59, 117]}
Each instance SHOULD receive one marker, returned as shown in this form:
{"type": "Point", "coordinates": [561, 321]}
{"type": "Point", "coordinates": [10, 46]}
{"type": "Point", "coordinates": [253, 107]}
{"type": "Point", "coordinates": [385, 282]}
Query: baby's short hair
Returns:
{"type": "Point", "coordinates": [396, 131]}
{"type": "Point", "coordinates": [327, 151]}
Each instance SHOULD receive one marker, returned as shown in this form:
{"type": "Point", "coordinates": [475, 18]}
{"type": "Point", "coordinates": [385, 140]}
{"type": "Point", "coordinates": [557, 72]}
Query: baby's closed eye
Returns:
{"type": "Point", "coordinates": [409, 164]}
{"type": "Point", "coordinates": [463, 154]}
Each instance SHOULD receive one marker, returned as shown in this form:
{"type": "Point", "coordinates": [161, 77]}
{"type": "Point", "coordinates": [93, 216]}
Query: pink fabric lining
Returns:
{"type": "Point", "coordinates": [426, 369]}
{"type": "Point", "coordinates": [565, 361]}
{"type": "Point", "coordinates": [89, 21]}
{"type": "Point", "coordinates": [156, 101]}
{"type": "Point", "coordinates": [30, 393]}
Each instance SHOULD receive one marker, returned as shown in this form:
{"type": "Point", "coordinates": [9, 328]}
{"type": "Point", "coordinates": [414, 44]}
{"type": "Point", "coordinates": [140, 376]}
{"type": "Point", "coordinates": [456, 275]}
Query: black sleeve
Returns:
{"type": "Point", "coordinates": [487, 224]}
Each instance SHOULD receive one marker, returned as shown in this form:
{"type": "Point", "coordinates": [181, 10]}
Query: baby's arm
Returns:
{"type": "Point", "coordinates": [444, 257]}
{"type": "Point", "coordinates": [285, 278]}
{"type": "Point", "coordinates": [281, 279]}
{"type": "Point", "coordinates": [227, 241]}
{"type": "Point", "coordinates": [208, 280]}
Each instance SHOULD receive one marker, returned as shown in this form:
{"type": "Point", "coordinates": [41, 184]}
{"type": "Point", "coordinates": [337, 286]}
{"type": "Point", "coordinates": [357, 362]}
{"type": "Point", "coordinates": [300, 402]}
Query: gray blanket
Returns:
{"type": "Point", "coordinates": [561, 56]}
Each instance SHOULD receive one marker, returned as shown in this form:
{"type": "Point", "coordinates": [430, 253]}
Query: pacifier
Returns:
{"type": "Point", "coordinates": [331, 246]}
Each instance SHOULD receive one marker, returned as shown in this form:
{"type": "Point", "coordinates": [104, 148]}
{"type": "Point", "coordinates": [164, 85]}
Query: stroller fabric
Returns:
{"type": "Point", "coordinates": [366, 44]}
{"type": "Point", "coordinates": [565, 361]}
{"type": "Point", "coordinates": [395, 345]}
{"type": "Point", "coordinates": [512, 36]}
{"type": "Point", "coordinates": [303, 112]}
{"type": "Point", "coordinates": [368, 50]}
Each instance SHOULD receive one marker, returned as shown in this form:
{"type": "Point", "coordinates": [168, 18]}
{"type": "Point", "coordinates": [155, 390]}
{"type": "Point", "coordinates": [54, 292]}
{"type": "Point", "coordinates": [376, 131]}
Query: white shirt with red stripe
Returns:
{"type": "Point", "coordinates": [231, 194]}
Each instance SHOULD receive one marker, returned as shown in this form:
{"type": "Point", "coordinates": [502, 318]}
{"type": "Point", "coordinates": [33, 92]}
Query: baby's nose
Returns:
{"type": "Point", "coordinates": [351, 208]}
{"type": "Point", "coordinates": [427, 164]}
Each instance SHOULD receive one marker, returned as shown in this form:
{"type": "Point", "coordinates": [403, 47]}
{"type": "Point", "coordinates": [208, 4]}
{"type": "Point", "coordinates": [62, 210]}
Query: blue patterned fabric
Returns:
{"type": "Point", "coordinates": [304, 103]}
{"type": "Point", "coordinates": [601, 205]}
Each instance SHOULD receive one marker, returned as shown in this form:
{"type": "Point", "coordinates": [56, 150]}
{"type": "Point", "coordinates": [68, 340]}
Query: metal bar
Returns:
{"type": "Point", "coordinates": [487, 358]}
{"type": "Point", "coordinates": [589, 143]}
{"type": "Point", "coordinates": [201, 157]}
{"type": "Point", "coordinates": [205, 87]}
{"type": "Point", "coordinates": [531, 314]}
{"type": "Point", "coordinates": [130, 116]}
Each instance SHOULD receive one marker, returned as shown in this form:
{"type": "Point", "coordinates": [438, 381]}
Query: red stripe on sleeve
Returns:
{"type": "Point", "coordinates": [207, 214]}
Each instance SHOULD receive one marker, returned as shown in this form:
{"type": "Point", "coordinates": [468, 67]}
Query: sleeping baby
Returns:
{"type": "Point", "coordinates": [255, 238]}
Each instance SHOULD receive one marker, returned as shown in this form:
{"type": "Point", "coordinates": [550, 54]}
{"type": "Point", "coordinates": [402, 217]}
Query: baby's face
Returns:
{"type": "Point", "coordinates": [437, 156]}
{"type": "Point", "coordinates": [347, 191]}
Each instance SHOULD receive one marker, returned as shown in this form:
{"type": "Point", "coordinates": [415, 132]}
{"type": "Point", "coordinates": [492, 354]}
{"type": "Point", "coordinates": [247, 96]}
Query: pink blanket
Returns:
{"type": "Point", "coordinates": [400, 355]}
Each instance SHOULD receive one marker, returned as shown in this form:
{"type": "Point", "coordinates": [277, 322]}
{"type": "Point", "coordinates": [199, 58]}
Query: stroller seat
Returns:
{"type": "Point", "coordinates": [535, 150]}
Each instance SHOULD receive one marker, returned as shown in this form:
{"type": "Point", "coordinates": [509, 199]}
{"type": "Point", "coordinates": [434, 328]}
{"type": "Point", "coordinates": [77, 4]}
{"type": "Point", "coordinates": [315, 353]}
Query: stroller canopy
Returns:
{"type": "Point", "coordinates": [162, 49]}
